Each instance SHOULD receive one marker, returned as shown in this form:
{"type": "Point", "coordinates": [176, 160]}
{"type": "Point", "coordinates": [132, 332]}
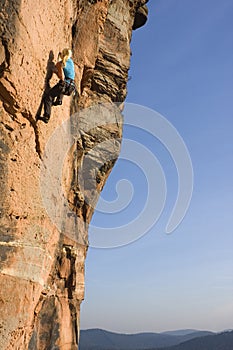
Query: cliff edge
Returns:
{"type": "Point", "coordinates": [51, 174]}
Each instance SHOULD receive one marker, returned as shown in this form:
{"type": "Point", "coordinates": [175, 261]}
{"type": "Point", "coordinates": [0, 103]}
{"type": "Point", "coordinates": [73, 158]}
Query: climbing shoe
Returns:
{"type": "Point", "coordinates": [44, 119]}
{"type": "Point", "coordinates": [57, 103]}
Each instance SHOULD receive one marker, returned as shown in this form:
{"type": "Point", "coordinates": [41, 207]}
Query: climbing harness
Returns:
{"type": "Point", "coordinates": [67, 87]}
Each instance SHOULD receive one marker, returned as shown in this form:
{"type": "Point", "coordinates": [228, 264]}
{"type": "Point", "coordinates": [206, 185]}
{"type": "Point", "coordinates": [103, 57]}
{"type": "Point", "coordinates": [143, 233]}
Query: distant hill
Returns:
{"type": "Point", "coordinates": [222, 341]}
{"type": "Point", "coordinates": [98, 339]}
{"type": "Point", "coordinates": [181, 332]}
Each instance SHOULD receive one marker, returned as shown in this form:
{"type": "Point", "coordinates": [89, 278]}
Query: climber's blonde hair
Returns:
{"type": "Point", "coordinates": [65, 55]}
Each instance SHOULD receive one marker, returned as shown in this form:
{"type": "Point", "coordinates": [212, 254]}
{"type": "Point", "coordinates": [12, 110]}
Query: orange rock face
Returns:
{"type": "Point", "coordinates": [46, 205]}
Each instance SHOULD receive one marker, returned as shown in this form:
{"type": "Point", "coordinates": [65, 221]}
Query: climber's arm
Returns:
{"type": "Point", "coordinates": [59, 71]}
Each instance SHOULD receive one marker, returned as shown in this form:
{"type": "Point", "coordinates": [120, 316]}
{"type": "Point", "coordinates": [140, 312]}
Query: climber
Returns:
{"type": "Point", "coordinates": [66, 86]}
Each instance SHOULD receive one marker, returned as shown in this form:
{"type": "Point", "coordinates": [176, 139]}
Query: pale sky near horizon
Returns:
{"type": "Point", "coordinates": [181, 67]}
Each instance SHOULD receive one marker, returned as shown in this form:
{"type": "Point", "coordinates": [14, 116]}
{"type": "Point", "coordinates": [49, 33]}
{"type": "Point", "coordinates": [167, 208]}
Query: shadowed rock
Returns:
{"type": "Point", "coordinates": [140, 17]}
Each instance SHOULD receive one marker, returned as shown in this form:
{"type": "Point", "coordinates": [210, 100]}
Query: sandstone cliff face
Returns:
{"type": "Point", "coordinates": [43, 236]}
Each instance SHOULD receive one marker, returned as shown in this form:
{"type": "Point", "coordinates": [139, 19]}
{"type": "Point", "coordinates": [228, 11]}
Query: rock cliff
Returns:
{"type": "Point", "coordinates": [43, 229]}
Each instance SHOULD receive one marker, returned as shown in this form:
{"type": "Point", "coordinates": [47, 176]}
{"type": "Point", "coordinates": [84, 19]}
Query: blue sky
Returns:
{"type": "Point", "coordinates": [182, 67]}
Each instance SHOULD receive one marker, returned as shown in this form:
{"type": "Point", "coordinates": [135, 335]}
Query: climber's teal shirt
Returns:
{"type": "Point", "coordinates": [69, 69]}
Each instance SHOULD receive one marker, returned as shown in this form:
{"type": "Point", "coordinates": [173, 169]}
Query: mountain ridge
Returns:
{"type": "Point", "coordinates": [219, 341]}
{"type": "Point", "coordinates": [99, 339]}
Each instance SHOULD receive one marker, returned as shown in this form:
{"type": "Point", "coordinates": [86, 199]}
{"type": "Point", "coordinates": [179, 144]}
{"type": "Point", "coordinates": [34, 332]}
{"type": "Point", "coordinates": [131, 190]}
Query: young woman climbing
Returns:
{"type": "Point", "coordinates": [66, 73]}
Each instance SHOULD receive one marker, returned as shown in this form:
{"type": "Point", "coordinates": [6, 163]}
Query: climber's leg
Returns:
{"type": "Point", "coordinates": [49, 98]}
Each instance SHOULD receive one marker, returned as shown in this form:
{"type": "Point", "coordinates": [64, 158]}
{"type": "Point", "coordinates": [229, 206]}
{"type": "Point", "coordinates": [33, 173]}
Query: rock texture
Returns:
{"type": "Point", "coordinates": [44, 233]}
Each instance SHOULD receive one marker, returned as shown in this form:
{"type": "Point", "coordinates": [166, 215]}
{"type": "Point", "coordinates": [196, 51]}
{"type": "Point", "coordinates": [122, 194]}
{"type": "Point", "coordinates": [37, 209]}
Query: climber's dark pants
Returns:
{"type": "Point", "coordinates": [49, 98]}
